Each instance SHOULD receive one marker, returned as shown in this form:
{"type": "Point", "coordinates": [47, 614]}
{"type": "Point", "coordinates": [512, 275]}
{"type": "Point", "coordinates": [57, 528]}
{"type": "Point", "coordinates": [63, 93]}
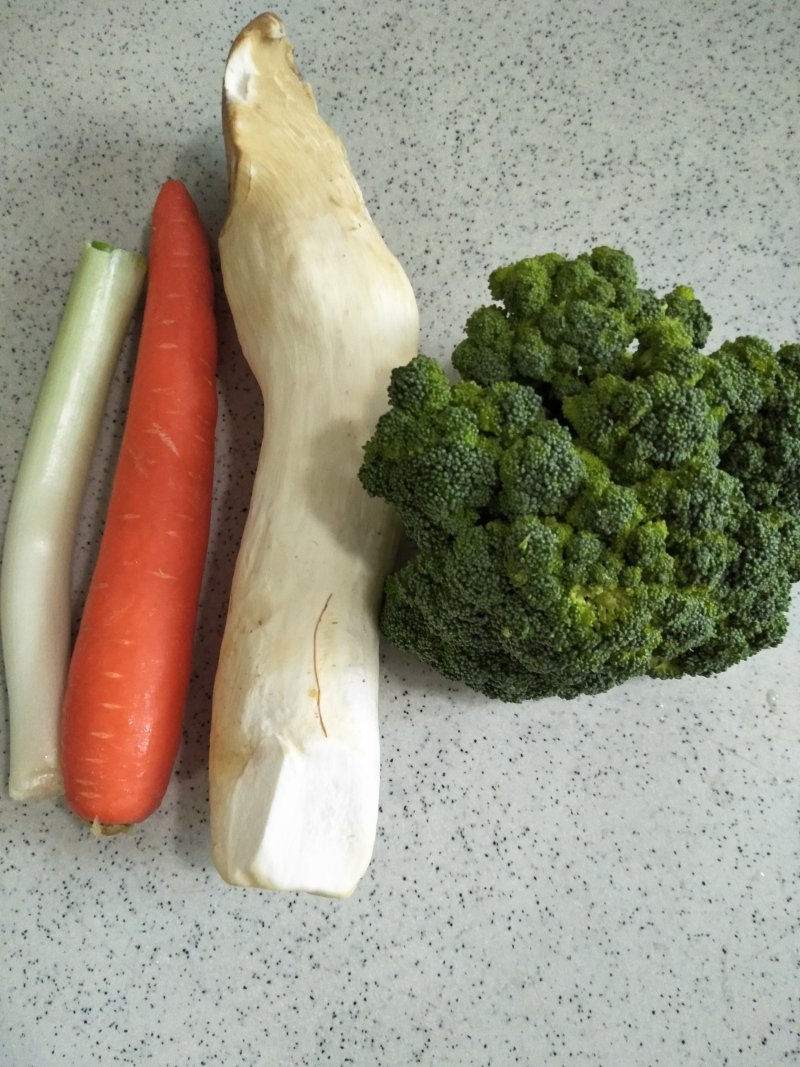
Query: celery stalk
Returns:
{"type": "Point", "coordinates": [35, 581]}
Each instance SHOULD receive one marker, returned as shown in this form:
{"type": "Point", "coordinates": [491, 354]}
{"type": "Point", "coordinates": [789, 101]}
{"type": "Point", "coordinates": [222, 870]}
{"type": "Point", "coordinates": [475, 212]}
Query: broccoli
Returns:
{"type": "Point", "coordinates": [596, 497]}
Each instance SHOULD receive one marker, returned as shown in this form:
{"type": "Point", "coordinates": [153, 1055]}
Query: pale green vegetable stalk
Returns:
{"type": "Point", "coordinates": [35, 583]}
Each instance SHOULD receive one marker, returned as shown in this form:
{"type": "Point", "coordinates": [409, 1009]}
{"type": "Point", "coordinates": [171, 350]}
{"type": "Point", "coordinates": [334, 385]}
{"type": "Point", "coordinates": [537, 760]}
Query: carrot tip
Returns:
{"type": "Point", "coordinates": [100, 829]}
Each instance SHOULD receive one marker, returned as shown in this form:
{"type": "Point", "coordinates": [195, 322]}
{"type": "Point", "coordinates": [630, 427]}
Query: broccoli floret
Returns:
{"type": "Point", "coordinates": [486, 353]}
{"type": "Point", "coordinates": [539, 473]}
{"type": "Point", "coordinates": [562, 322]}
{"type": "Point", "coordinates": [647, 548]}
{"type": "Point", "coordinates": [421, 386]}
{"type": "Point", "coordinates": [740, 377]}
{"type": "Point", "coordinates": [602, 506]}
{"type": "Point", "coordinates": [666, 346]}
{"type": "Point", "coordinates": [507, 410]}
{"type": "Point", "coordinates": [642, 425]}
{"type": "Point", "coordinates": [761, 447]}
{"type": "Point", "coordinates": [429, 456]}
{"type": "Point", "coordinates": [595, 498]}
{"type": "Point", "coordinates": [681, 304]}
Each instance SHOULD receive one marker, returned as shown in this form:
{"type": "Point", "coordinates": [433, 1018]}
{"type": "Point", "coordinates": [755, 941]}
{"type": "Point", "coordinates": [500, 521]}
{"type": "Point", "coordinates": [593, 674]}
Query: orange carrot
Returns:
{"type": "Point", "coordinates": [130, 668]}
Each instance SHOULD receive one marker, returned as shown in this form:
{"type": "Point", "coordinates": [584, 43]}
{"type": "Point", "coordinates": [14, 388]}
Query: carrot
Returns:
{"type": "Point", "coordinates": [129, 673]}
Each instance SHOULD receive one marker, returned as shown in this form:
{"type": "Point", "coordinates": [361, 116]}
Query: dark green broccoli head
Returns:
{"type": "Point", "coordinates": [596, 498]}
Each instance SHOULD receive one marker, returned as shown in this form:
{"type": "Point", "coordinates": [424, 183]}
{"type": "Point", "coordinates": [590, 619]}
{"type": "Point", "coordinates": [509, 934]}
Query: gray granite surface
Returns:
{"type": "Point", "coordinates": [612, 881]}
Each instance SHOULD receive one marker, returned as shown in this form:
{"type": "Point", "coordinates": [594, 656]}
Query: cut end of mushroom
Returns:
{"type": "Point", "coordinates": [300, 819]}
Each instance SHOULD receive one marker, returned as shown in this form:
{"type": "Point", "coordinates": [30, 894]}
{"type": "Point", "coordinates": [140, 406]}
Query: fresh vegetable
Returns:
{"type": "Point", "coordinates": [130, 668]}
{"type": "Point", "coordinates": [323, 310]}
{"type": "Point", "coordinates": [596, 498]}
{"type": "Point", "coordinates": [35, 607]}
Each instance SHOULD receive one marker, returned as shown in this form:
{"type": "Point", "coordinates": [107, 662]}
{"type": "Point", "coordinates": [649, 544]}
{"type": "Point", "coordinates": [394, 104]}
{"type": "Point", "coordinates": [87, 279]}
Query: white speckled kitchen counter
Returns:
{"type": "Point", "coordinates": [609, 881]}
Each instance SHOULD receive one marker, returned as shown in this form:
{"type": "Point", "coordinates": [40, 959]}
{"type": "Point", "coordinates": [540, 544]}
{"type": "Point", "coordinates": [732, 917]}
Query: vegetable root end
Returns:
{"type": "Point", "coordinates": [100, 829]}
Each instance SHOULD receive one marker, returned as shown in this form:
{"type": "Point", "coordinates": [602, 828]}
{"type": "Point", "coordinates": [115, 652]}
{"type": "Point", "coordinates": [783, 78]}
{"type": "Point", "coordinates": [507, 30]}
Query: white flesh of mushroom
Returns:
{"type": "Point", "coordinates": [323, 311]}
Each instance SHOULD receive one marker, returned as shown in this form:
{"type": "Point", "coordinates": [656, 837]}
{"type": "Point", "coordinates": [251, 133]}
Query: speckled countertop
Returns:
{"type": "Point", "coordinates": [604, 882]}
